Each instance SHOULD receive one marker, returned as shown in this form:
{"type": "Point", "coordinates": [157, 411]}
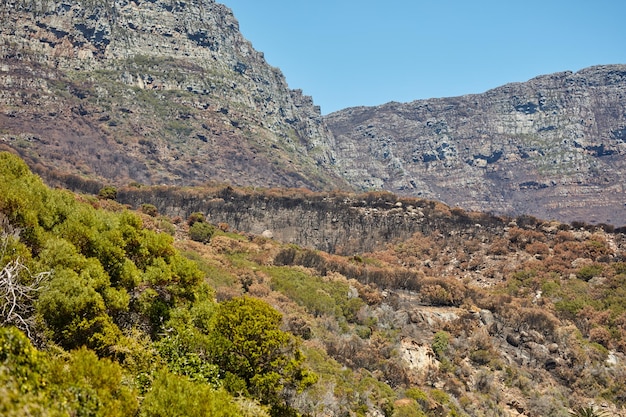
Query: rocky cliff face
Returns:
{"type": "Point", "coordinates": [155, 91]}
{"type": "Point", "coordinates": [553, 147]}
{"type": "Point", "coordinates": [332, 222]}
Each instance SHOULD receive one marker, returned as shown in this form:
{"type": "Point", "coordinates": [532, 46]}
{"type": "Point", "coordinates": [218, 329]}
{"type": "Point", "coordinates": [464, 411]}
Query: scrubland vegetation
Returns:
{"type": "Point", "coordinates": [111, 311]}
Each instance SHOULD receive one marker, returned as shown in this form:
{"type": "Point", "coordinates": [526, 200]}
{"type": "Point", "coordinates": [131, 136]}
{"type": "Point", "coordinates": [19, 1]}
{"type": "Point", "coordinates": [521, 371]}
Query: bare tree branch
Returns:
{"type": "Point", "coordinates": [18, 286]}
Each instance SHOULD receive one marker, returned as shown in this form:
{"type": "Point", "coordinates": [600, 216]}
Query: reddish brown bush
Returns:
{"type": "Point", "coordinates": [601, 336]}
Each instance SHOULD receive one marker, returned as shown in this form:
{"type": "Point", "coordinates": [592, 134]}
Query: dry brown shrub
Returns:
{"type": "Point", "coordinates": [522, 237]}
{"type": "Point", "coordinates": [442, 292]}
{"type": "Point", "coordinates": [498, 247]}
{"type": "Point", "coordinates": [442, 209]}
{"type": "Point", "coordinates": [413, 250]}
{"type": "Point", "coordinates": [564, 236]}
{"type": "Point", "coordinates": [298, 326]}
{"type": "Point", "coordinates": [558, 265]}
{"type": "Point", "coordinates": [597, 247]}
{"type": "Point", "coordinates": [367, 292]}
{"type": "Point", "coordinates": [259, 290]}
{"type": "Point", "coordinates": [480, 340]}
{"type": "Point", "coordinates": [227, 293]}
{"type": "Point", "coordinates": [472, 245]}
{"type": "Point", "coordinates": [493, 302]}
{"type": "Point", "coordinates": [535, 318]}
{"type": "Point", "coordinates": [537, 248]}
{"type": "Point", "coordinates": [465, 324]}
{"type": "Point", "coordinates": [600, 335]}
{"type": "Point", "coordinates": [224, 244]}
{"type": "Point", "coordinates": [569, 250]}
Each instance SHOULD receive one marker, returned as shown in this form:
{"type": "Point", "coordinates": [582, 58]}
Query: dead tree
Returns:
{"type": "Point", "coordinates": [18, 289]}
{"type": "Point", "coordinates": [18, 286]}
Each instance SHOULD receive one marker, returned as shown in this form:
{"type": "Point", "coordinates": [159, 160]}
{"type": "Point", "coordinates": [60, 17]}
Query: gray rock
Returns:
{"type": "Point", "coordinates": [552, 147]}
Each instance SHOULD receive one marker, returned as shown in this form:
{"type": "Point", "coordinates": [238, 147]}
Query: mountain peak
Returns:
{"type": "Point", "coordinates": [170, 92]}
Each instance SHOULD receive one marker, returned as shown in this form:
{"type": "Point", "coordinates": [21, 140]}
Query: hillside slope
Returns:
{"type": "Point", "coordinates": [126, 312]}
{"type": "Point", "coordinates": [154, 92]}
{"type": "Point", "coordinates": [552, 147]}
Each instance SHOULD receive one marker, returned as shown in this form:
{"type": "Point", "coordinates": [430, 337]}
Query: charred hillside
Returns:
{"type": "Point", "coordinates": [333, 222]}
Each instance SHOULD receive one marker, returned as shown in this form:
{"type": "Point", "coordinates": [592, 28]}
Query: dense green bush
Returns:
{"type": "Point", "coordinates": [173, 396]}
{"type": "Point", "coordinates": [109, 274]}
{"type": "Point", "coordinates": [108, 193]}
{"type": "Point", "coordinates": [201, 232]}
{"type": "Point", "coordinates": [72, 383]}
{"type": "Point", "coordinates": [258, 357]}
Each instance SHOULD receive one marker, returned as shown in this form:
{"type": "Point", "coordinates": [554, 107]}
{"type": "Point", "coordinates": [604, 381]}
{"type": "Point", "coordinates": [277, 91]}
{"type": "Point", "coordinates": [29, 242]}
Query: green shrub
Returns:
{"type": "Point", "coordinates": [19, 360]}
{"type": "Point", "coordinates": [201, 232]}
{"type": "Point", "coordinates": [256, 356]}
{"type": "Point", "coordinates": [587, 272]}
{"type": "Point", "coordinates": [149, 209]}
{"type": "Point", "coordinates": [195, 218]}
{"type": "Point", "coordinates": [440, 344]}
{"type": "Point", "coordinates": [481, 356]}
{"type": "Point", "coordinates": [108, 193]}
{"type": "Point", "coordinates": [84, 385]}
{"type": "Point", "coordinates": [177, 396]}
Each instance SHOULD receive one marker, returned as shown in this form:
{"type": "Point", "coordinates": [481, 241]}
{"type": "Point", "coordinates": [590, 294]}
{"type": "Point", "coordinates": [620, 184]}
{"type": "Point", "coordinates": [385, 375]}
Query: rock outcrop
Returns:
{"type": "Point", "coordinates": [553, 147]}
{"type": "Point", "coordinates": [332, 222]}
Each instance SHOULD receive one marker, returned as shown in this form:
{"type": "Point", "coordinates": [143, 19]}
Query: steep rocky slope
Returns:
{"type": "Point", "coordinates": [153, 91]}
{"type": "Point", "coordinates": [333, 222]}
{"type": "Point", "coordinates": [553, 147]}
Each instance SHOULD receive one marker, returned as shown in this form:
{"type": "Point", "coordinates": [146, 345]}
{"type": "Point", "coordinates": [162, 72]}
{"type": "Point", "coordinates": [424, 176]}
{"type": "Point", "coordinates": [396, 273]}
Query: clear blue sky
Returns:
{"type": "Point", "coordinates": [348, 53]}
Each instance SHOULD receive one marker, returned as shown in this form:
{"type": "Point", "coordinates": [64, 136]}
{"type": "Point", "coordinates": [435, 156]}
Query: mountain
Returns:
{"type": "Point", "coordinates": [553, 147]}
{"type": "Point", "coordinates": [170, 92]}
{"type": "Point", "coordinates": [393, 306]}
{"type": "Point", "coordinates": [153, 92]}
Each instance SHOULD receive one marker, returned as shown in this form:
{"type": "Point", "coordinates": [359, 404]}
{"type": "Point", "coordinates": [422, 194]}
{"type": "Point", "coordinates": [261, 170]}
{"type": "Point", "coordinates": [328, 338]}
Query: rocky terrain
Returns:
{"type": "Point", "coordinates": [553, 146]}
{"type": "Point", "coordinates": [332, 222]}
{"type": "Point", "coordinates": [402, 305]}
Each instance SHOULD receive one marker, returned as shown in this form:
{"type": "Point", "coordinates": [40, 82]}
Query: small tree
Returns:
{"type": "Point", "coordinates": [256, 355]}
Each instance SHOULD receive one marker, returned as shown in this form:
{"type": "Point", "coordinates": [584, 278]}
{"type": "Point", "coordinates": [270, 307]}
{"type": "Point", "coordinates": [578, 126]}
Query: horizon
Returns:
{"type": "Point", "coordinates": [369, 53]}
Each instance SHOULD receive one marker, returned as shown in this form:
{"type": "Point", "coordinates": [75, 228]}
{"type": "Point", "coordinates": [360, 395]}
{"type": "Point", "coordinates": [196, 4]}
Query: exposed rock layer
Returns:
{"type": "Point", "coordinates": [335, 223]}
{"type": "Point", "coordinates": [553, 147]}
